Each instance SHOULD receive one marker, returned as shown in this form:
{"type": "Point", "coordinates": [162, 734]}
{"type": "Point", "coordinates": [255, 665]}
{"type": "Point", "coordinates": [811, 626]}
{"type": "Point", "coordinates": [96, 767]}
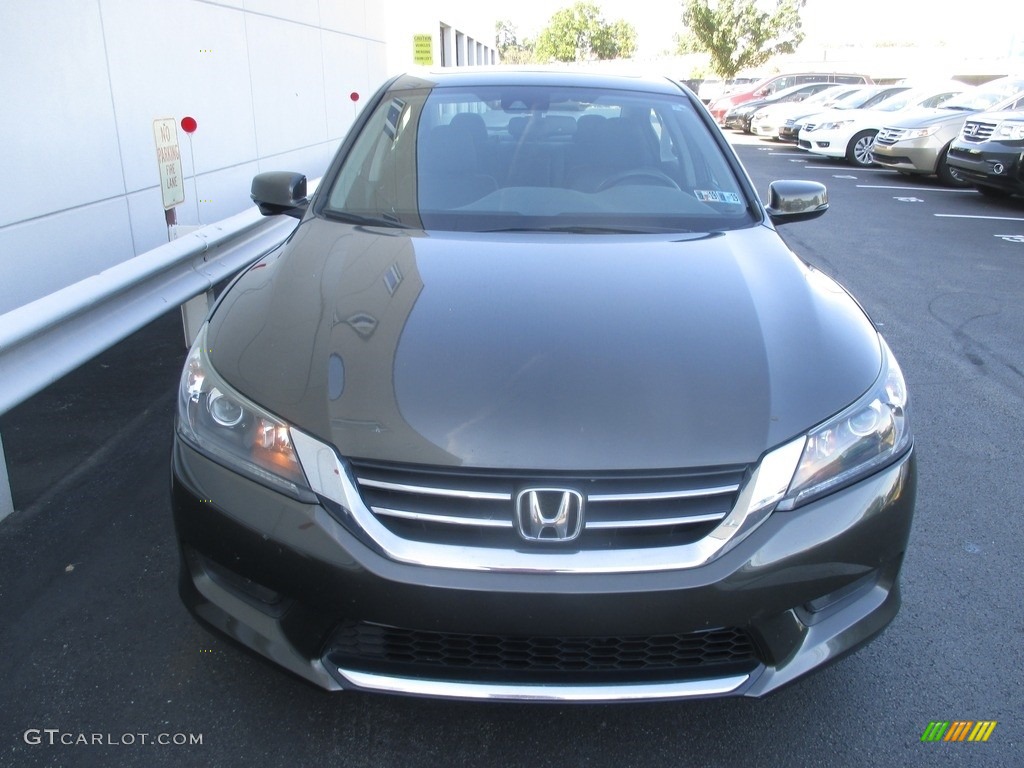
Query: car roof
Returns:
{"type": "Point", "coordinates": [793, 89]}
{"type": "Point", "coordinates": [556, 76]}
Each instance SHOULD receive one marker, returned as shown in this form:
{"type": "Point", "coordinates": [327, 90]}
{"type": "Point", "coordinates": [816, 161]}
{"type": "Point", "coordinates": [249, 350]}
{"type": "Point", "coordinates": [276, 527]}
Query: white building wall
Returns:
{"type": "Point", "coordinates": [268, 81]}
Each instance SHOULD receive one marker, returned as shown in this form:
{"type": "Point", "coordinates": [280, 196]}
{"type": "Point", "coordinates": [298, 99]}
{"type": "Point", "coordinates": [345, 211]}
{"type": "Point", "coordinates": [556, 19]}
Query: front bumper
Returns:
{"type": "Point", "coordinates": [737, 122]}
{"type": "Point", "coordinates": [828, 143]}
{"type": "Point", "coordinates": [718, 111]}
{"type": "Point", "coordinates": [765, 129]}
{"type": "Point", "coordinates": [912, 156]}
{"type": "Point", "coordinates": [789, 133]}
{"type": "Point", "coordinates": [999, 165]}
{"type": "Point", "coordinates": [289, 581]}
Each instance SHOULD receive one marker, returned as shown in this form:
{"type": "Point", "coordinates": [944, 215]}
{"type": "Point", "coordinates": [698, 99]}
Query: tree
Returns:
{"type": "Point", "coordinates": [686, 43]}
{"type": "Point", "coordinates": [580, 33]}
{"type": "Point", "coordinates": [738, 34]}
{"type": "Point", "coordinates": [624, 36]}
{"type": "Point", "coordinates": [511, 49]}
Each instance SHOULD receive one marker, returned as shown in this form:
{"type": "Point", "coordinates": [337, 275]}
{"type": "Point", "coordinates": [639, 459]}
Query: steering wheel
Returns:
{"type": "Point", "coordinates": [649, 174]}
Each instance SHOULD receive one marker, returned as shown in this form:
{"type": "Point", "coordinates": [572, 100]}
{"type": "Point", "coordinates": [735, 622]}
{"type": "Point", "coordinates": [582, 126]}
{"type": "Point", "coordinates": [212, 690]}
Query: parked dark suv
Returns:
{"type": "Point", "coordinates": [989, 150]}
{"type": "Point", "coordinates": [535, 404]}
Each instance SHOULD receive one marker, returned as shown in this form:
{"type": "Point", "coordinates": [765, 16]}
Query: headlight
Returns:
{"type": "Point", "coordinates": [1013, 130]}
{"type": "Point", "coordinates": [860, 440]}
{"type": "Point", "coordinates": [234, 431]}
{"type": "Point", "coordinates": [834, 125]}
{"type": "Point", "coordinates": [919, 133]}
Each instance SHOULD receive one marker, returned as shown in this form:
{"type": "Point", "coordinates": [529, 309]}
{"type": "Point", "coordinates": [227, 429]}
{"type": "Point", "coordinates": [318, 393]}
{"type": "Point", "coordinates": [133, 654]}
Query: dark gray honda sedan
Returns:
{"type": "Point", "coordinates": [535, 404]}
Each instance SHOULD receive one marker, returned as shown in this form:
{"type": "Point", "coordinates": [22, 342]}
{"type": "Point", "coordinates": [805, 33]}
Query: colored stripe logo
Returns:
{"type": "Point", "coordinates": [959, 730]}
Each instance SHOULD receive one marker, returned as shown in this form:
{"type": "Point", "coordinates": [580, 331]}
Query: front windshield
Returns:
{"type": "Point", "coordinates": [788, 92]}
{"type": "Point", "coordinates": [538, 158]}
{"type": "Point", "coordinates": [869, 97]}
{"type": "Point", "coordinates": [829, 94]}
{"type": "Point", "coordinates": [914, 98]}
{"type": "Point", "coordinates": [985, 96]}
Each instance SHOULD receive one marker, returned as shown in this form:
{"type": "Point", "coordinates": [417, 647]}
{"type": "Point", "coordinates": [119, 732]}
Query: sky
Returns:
{"type": "Point", "coordinates": [824, 21]}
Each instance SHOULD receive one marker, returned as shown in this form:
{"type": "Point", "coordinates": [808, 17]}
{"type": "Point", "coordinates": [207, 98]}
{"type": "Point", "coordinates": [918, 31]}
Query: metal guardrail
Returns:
{"type": "Point", "coordinates": [50, 337]}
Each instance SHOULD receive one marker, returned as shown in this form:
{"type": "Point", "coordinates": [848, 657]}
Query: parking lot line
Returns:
{"type": "Point", "coordinates": [967, 216]}
{"type": "Point", "coordinates": [916, 189]}
{"type": "Point", "coordinates": [839, 168]}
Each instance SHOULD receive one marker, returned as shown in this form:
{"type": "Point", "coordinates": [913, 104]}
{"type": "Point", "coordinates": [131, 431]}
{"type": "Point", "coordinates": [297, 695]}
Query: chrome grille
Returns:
{"type": "Point", "coordinates": [975, 130]}
{"type": "Point", "coordinates": [622, 510]}
{"type": "Point", "coordinates": [889, 136]}
{"type": "Point", "coordinates": [807, 126]}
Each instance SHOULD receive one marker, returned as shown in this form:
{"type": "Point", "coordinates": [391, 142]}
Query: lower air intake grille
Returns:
{"type": "Point", "coordinates": [355, 645]}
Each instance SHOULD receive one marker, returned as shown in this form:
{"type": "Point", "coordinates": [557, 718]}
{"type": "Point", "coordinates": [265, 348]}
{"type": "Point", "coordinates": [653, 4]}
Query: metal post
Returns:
{"type": "Point", "coordinates": [193, 315]}
{"type": "Point", "coordinates": [6, 502]}
{"type": "Point", "coordinates": [194, 311]}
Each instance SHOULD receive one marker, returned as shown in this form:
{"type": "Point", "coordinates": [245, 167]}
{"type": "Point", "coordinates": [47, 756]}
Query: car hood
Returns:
{"type": "Point", "coordinates": [996, 117]}
{"type": "Point", "coordinates": [771, 110]}
{"type": "Point", "coordinates": [861, 117]}
{"type": "Point", "coordinates": [924, 117]}
{"type": "Point", "coordinates": [543, 351]}
{"type": "Point", "coordinates": [795, 109]}
{"type": "Point", "coordinates": [753, 104]}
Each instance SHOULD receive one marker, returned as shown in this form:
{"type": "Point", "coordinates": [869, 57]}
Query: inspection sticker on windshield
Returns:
{"type": "Point", "coordinates": [715, 196]}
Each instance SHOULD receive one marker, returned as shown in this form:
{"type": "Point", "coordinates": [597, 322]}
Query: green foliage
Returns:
{"type": "Point", "coordinates": [580, 33]}
{"type": "Point", "coordinates": [511, 49]}
{"type": "Point", "coordinates": [739, 35]}
{"type": "Point", "coordinates": [686, 43]}
{"type": "Point", "coordinates": [624, 35]}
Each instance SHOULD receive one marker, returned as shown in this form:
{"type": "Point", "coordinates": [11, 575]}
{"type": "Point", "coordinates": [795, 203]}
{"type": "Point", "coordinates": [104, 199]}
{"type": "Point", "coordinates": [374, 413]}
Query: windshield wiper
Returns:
{"type": "Point", "coordinates": [384, 220]}
{"type": "Point", "coordinates": [591, 229]}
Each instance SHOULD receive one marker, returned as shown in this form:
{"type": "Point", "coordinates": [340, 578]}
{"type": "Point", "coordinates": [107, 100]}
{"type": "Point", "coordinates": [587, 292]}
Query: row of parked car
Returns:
{"type": "Point", "coordinates": [964, 135]}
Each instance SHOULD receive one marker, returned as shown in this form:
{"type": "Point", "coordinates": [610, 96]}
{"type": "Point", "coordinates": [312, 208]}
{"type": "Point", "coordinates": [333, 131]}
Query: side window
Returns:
{"type": "Point", "coordinates": [934, 101]}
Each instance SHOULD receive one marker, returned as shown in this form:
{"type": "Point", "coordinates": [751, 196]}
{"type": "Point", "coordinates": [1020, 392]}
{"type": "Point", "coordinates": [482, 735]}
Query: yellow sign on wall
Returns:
{"type": "Point", "coordinates": [423, 50]}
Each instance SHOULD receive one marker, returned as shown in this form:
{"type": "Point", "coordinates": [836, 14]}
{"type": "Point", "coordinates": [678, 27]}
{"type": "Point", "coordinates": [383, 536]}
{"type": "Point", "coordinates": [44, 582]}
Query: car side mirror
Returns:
{"type": "Point", "coordinates": [280, 192]}
{"type": "Point", "coordinates": [792, 200]}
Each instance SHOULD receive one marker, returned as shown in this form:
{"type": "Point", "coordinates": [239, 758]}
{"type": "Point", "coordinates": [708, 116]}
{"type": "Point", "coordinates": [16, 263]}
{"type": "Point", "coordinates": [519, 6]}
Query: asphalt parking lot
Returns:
{"type": "Point", "coordinates": [97, 643]}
